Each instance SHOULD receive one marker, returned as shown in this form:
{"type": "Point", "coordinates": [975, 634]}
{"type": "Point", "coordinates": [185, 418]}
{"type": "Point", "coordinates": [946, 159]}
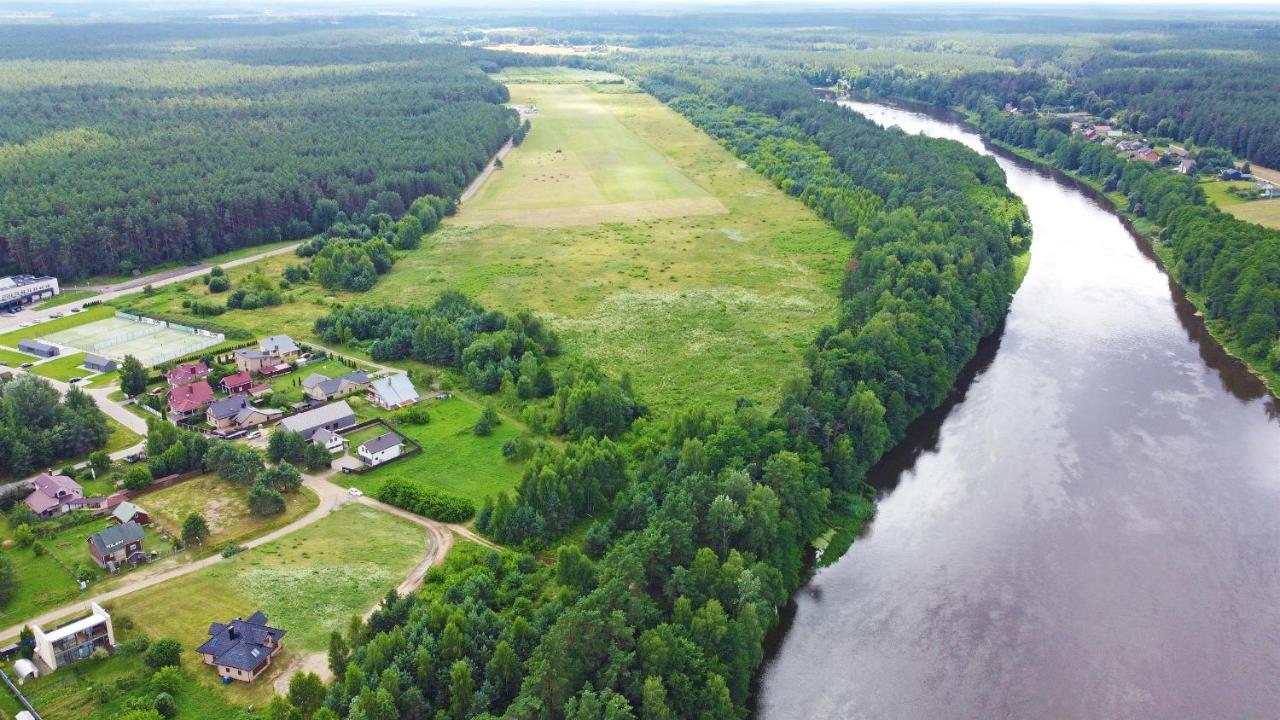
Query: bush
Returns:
{"type": "Point", "coordinates": [167, 679]}
{"type": "Point", "coordinates": [416, 414]}
{"type": "Point", "coordinates": [86, 571]}
{"type": "Point", "coordinates": [232, 549]}
{"type": "Point", "coordinates": [433, 504]}
{"type": "Point", "coordinates": [487, 422]}
{"type": "Point", "coordinates": [24, 536]}
{"type": "Point", "coordinates": [138, 477]}
{"type": "Point", "coordinates": [264, 501]}
{"type": "Point", "coordinates": [164, 703]}
{"type": "Point", "coordinates": [219, 284]}
{"type": "Point", "coordinates": [163, 653]}
{"type": "Point", "coordinates": [134, 645]}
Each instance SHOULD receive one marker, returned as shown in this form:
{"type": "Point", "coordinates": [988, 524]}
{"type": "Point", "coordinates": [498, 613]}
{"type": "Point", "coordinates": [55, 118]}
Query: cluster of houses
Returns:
{"type": "Point", "coordinates": [191, 396]}
{"type": "Point", "coordinates": [325, 426]}
{"type": "Point", "coordinates": [241, 649]}
{"type": "Point", "coordinates": [111, 548]}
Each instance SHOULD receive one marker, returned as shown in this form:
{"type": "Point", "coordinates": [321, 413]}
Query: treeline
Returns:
{"type": "Point", "coordinates": [128, 172]}
{"type": "Point", "coordinates": [489, 346]}
{"type": "Point", "coordinates": [1234, 264]}
{"type": "Point", "coordinates": [39, 429]}
{"type": "Point", "coordinates": [702, 520]}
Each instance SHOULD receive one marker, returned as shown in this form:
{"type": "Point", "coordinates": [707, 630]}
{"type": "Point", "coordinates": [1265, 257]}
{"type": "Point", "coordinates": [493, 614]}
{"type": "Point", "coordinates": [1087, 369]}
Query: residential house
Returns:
{"type": "Point", "coordinates": [74, 641]}
{"type": "Point", "coordinates": [127, 512]}
{"type": "Point", "coordinates": [1230, 174]}
{"type": "Point", "coordinates": [187, 373]}
{"type": "Point", "coordinates": [382, 449]}
{"type": "Point", "coordinates": [53, 494]}
{"type": "Point", "coordinates": [324, 388]}
{"type": "Point", "coordinates": [221, 414]}
{"type": "Point", "coordinates": [333, 416]}
{"type": "Point", "coordinates": [250, 416]}
{"type": "Point", "coordinates": [282, 346]}
{"type": "Point", "coordinates": [116, 545]}
{"type": "Point", "coordinates": [252, 361]}
{"type": "Point", "coordinates": [393, 391]}
{"type": "Point", "coordinates": [1129, 145]}
{"type": "Point", "coordinates": [1187, 166]}
{"type": "Point", "coordinates": [242, 649]}
{"type": "Point", "coordinates": [1148, 155]}
{"type": "Point", "coordinates": [35, 347]}
{"type": "Point", "coordinates": [188, 401]}
{"type": "Point", "coordinates": [329, 440]}
{"type": "Point", "coordinates": [238, 383]}
{"type": "Point", "coordinates": [99, 364]}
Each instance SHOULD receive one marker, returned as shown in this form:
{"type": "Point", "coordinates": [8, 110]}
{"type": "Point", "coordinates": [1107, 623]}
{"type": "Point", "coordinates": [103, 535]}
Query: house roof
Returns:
{"type": "Point", "coordinates": [247, 412]}
{"type": "Point", "coordinates": [322, 415]}
{"type": "Point", "coordinates": [395, 389]}
{"type": "Point", "coordinates": [255, 354]}
{"type": "Point", "coordinates": [241, 644]}
{"type": "Point", "coordinates": [34, 345]}
{"type": "Point", "coordinates": [236, 380]}
{"type": "Point", "coordinates": [51, 484]}
{"type": "Point", "coordinates": [324, 437]}
{"type": "Point", "coordinates": [382, 442]}
{"type": "Point", "coordinates": [329, 386]}
{"type": "Point", "coordinates": [189, 397]}
{"type": "Point", "coordinates": [187, 372]}
{"type": "Point", "coordinates": [125, 511]}
{"type": "Point", "coordinates": [96, 361]}
{"type": "Point", "coordinates": [278, 344]}
{"type": "Point", "coordinates": [228, 407]}
{"type": "Point", "coordinates": [115, 537]}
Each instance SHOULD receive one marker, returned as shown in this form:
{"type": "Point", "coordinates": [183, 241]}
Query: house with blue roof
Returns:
{"type": "Point", "coordinates": [242, 649]}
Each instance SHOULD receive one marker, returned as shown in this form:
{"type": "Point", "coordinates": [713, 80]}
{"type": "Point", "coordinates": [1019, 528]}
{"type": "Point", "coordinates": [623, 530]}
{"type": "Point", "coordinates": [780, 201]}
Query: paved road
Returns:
{"type": "Point", "coordinates": [135, 285]}
{"type": "Point", "coordinates": [332, 496]}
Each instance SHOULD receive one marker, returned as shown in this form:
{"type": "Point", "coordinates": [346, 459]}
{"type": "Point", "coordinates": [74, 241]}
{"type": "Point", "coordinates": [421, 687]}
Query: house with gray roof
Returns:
{"type": "Point", "coordinates": [117, 545]}
{"type": "Point", "coordinates": [393, 391]}
{"type": "Point", "coordinates": [127, 512]}
{"type": "Point", "coordinates": [329, 440]}
{"type": "Point", "coordinates": [99, 364]}
{"type": "Point", "coordinates": [324, 388]}
{"type": "Point", "coordinates": [35, 347]}
{"type": "Point", "coordinates": [382, 449]}
{"type": "Point", "coordinates": [282, 346]}
{"type": "Point", "coordinates": [242, 649]}
{"type": "Point", "coordinates": [221, 413]}
{"type": "Point", "coordinates": [333, 417]}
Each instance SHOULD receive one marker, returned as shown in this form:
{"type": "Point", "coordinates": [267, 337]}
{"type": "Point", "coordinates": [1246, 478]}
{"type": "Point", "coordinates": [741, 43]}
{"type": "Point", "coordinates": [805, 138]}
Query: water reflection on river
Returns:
{"type": "Point", "coordinates": [1090, 530]}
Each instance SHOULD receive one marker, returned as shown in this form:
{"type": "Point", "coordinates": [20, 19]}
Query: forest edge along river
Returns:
{"type": "Point", "coordinates": [1087, 528]}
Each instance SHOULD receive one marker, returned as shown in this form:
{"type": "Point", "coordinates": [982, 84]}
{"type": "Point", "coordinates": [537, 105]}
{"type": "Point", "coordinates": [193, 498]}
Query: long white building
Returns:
{"type": "Point", "coordinates": [24, 289]}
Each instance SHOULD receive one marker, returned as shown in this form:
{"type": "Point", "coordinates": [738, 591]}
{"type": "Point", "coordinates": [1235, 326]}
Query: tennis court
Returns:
{"type": "Point", "coordinates": [151, 341]}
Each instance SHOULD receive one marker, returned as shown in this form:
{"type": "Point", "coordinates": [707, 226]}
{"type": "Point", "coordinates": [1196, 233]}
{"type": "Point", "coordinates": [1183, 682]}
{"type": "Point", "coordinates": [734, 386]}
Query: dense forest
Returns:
{"type": "Point", "coordinates": [702, 520]}
{"type": "Point", "coordinates": [118, 164]}
{"type": "Point", "coordinates": [38, 428]}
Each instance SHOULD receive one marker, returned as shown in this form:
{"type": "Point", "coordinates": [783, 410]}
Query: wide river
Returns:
{"type": "Point", "coordinates": [1090, 528]}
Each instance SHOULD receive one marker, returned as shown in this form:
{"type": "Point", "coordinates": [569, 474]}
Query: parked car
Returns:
{"type": "Point", "coordinates": [76, 309]}
{"type": "Point", "coordinates": [26, 324]}
{"type": "Point", "coordinates": [73, 381]}
{"type": "Point", "coordinates": [355, 492]}
{"type": "Point", "coordinates": [26, 365]}
{"type": "Point", "coordinates": [254, 435]}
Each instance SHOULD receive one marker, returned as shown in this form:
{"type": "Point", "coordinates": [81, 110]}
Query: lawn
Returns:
{"type": "Point", "coordinates": [48, 327]}
{"type": "Point", "coordinates": [453, 458]}
{"type": "Point", "coordinates": [63, 367]}
{"type": "Point", "coordinates": [66, 298]}
{"type": "Point", "coordinates": [223, 506]}
{"type": "Point", "coordinates": [42, 582]}
{"type": "Point", "coordinates": [648, 246]}
{"type": "Point", "coordinates": [553, 74]}
{"type": "Point", "coordinates": [69, 546]}
{"type": "Point", "coordinates": [13, 358]}
{"type": "Point", "coordinates": [309, 583]}
{"type": "Point", "coordinates": [1263, 212]}
{"type": "Point", "coordinates": [121, 437]}
{"type": "Point", "coordinates": [289, 387]}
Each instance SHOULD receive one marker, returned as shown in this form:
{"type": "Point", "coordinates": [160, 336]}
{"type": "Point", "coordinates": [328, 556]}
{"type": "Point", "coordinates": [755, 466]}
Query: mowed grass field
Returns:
{"type": "Point", "coordinates": [648, 246]}
{"type": "Point", "coordinates": [310, 583]}
{"type": "Point", "coordinates": [1263, 212]}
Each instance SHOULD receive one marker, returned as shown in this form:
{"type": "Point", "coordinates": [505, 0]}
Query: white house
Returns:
{"type": "Point", "coordinates": [74, 641]}
{"type": "Point", "coordinates": [393, 391]}
{"type": "Point", "coordinates": [384, 448]}
{"type": "Point", "coordinates": [329, 440]}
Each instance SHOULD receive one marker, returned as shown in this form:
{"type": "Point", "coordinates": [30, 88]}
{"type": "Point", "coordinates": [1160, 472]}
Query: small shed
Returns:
{"type": "Point", "coordinates": [35, 347]}
{"type": "Point", "coordinates": [25, 669]}
{"type": "Point", "coordinates": [129, 512]}
{"type": "Point", "coordinates": [99, 364]}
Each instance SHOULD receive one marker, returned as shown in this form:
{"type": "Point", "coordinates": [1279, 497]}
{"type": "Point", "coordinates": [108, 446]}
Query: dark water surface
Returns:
{"type": "Point", "coordinates": [1091, 529]}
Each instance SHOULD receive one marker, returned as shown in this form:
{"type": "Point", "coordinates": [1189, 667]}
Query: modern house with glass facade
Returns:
{"type": "Point", "coordinates": [74, 641]}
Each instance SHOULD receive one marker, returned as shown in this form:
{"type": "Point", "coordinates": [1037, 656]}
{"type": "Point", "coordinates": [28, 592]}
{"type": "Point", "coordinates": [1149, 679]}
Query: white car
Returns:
{"type": "Point", "coordinates": [355, 492]}
{"type": "Point", "coordinates": [26, 324]}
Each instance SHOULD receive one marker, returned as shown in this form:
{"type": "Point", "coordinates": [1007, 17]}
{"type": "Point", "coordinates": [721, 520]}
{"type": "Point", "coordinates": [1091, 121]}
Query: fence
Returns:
{"type": "Point", "coordinates": [413, 445]}
{"type": "Point", "coordinates": [18, 694]}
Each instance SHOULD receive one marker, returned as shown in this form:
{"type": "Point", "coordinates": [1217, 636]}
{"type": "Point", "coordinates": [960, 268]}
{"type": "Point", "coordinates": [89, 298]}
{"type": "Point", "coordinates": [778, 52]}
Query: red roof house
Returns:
{"type": "Point", "coordinates": [53, 495]}
{"type": "Point", "coordinates": [238, 383]}
{"type": "Point", "coordinates": [186, 401]}
{"type": "Point", "coordinates": [187, 373]}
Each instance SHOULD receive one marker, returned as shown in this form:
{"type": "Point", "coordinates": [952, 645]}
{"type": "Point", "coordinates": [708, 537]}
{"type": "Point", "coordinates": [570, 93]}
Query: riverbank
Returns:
{"type": "Point", "coordinates": [1148, 232]}
{"type": "Point", "coordinates": [1141, 227]}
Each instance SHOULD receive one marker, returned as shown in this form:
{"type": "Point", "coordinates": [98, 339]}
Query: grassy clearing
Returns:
{"type": "Point", "coordinates": [121, 437]}
{"type": "Point", "coordinates": [42, 582]}
{"type": "Point", "coordinates": [66, 298]}
{"type": "Point", "coordinates": [308, 583]}
{"type": "Point", "coordinates": [13, 358]}
{"type": "Point", "coordinates": [1263, 212]}
{"type": "Point", "coordinates": [63, 367]}
{"type": "Point", "coordinates": [553, 74]}
{"type": "Point", "coordinates": [223, 507]}
{"type": "Point", "coordinates": [453, 458]}
{"type": "Point", "coordinates": [48, 327]}
{"type": "Point", "coordinates": [676, 296]}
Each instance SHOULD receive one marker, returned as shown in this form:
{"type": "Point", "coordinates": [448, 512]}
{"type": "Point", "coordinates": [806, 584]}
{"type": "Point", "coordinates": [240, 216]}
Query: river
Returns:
{"type": "Point", "coordinates": [1090, 528]}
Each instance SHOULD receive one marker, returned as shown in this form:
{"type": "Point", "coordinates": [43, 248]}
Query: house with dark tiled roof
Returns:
{"type": "Point", "coordinates": [251, 360]}
{"type": "Point", "coordinates": [332, 417]}
{"type": "Point", "coordinates": [188, 401]}
{"type": "Point", "coordinates": [242, 649]}
{"type": "Point", "coordinates": [324, 388]}
{"type": "Point", "coordinates": [221, 414]}
{"type": "Point", "coordinates": [116, 545]}
{"type": "Point", "coordinates": [382, 449]}
{"type": "Point", "coordinates": [282, 346]}
{"type": "Point", "coordinates": [53, 495]}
